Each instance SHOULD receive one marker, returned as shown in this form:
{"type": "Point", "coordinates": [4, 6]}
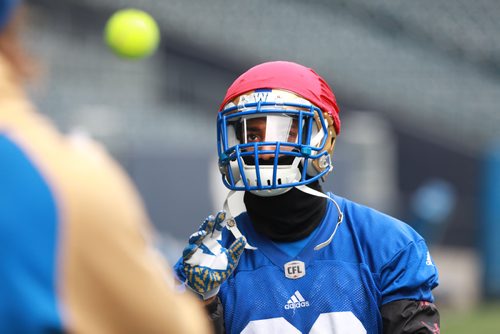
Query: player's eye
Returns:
{"type": "Point", "coordinates": [253, 137]}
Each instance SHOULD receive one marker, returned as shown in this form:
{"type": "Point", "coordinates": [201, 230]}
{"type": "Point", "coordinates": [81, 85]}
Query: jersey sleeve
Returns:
{"type": "Point", "coordinates": [409, 274]}
{"type": "Point", "coordinates": [395, 253]}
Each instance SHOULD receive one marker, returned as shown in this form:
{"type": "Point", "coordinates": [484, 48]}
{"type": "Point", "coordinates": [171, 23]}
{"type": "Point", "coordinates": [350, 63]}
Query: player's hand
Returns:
{"type": "Point", "coordinates": [205, 263]}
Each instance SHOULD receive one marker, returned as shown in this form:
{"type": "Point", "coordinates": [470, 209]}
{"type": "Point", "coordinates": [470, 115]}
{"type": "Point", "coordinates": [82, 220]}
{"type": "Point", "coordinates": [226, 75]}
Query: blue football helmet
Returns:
{"type": "Point", "coordinates": [271, 140]}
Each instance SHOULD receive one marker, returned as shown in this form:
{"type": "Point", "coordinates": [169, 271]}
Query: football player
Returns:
{"type": "Point", "coordinates": [300, 260]}
{"type": "Point", "coordinates": [76, 248]}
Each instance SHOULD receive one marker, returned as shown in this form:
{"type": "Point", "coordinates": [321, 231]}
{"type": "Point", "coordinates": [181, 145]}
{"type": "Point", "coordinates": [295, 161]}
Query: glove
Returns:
{"type": "Point", "coordinates": [205, 264]}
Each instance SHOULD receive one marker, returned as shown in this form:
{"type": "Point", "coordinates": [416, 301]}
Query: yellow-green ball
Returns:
{"type": "Point", "coordinates": [132, 33]}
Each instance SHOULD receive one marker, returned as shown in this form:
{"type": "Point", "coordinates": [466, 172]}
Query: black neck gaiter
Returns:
{"type": "Point", "coordinates": [288, 217]}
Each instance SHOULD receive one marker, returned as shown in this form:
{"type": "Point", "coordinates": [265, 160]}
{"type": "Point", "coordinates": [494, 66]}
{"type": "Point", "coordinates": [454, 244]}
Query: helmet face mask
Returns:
{"type": "Point", "coordinates": [271, 140]}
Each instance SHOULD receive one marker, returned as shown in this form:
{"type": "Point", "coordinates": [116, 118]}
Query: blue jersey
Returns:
{"type": "Point", "coordinates": [373, 259]}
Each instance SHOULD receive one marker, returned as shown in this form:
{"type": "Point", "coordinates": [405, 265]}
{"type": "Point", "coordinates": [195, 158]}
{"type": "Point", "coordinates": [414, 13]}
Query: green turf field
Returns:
{"type": "Point", "coordinates": [483, 320]}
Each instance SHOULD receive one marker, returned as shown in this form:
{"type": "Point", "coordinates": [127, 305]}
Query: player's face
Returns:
{"type": "Point", "coordinates": [270, 129]}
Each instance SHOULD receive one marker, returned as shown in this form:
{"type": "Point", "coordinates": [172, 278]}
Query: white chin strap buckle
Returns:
{"type": "Point", "coordinates": [230, 222]}
{"type": "Point", "coordinates": [233, 228]}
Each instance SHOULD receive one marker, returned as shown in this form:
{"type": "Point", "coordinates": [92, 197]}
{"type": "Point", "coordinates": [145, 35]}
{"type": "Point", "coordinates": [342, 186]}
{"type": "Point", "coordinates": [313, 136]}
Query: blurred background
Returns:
{"type": "Point", "coordinates": [418, 83]}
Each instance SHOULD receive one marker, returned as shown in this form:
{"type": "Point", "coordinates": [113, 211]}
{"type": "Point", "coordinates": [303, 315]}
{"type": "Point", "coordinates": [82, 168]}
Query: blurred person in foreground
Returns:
{"type": "Point", "coordinates": [300, 260]}
{"type": "Point", "coordinates": [76, 253]}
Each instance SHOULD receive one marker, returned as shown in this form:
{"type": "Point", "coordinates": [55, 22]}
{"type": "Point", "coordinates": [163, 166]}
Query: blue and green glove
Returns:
{"type": "Point", "coordinates": [205, 264]}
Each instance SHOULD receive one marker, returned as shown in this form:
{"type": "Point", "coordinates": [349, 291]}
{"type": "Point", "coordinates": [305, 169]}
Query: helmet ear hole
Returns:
{"type": "Point", "coordinates": [323, 163]}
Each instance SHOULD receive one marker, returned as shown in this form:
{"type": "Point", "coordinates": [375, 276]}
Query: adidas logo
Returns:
{"type": "Point", "coordinates": [428, 260]}
{"type": "Point", "coordinates": [296, 301]}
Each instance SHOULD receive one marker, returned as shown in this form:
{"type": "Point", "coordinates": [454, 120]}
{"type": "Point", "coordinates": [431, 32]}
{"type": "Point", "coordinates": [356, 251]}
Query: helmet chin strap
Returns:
{"type": "Point", "coordinates": [340, 218]}
{"type": "Point", "coordinates": [230, 222]}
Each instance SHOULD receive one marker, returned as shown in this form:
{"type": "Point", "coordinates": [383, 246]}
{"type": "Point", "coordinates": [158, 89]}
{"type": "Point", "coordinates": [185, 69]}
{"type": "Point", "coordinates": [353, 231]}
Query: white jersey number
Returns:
{"type": "Point", "coordinates": [333, 322]}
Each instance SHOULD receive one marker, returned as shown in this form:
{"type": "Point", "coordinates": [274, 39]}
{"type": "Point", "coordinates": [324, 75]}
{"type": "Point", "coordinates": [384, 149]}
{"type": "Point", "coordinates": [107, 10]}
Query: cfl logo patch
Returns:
{"type": "Point", "coordinates": [295, 269]}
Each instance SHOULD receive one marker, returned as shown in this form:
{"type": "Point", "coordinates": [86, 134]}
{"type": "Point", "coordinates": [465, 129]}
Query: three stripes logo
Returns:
{"type": "Point", "coordinates": [296, 301]}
